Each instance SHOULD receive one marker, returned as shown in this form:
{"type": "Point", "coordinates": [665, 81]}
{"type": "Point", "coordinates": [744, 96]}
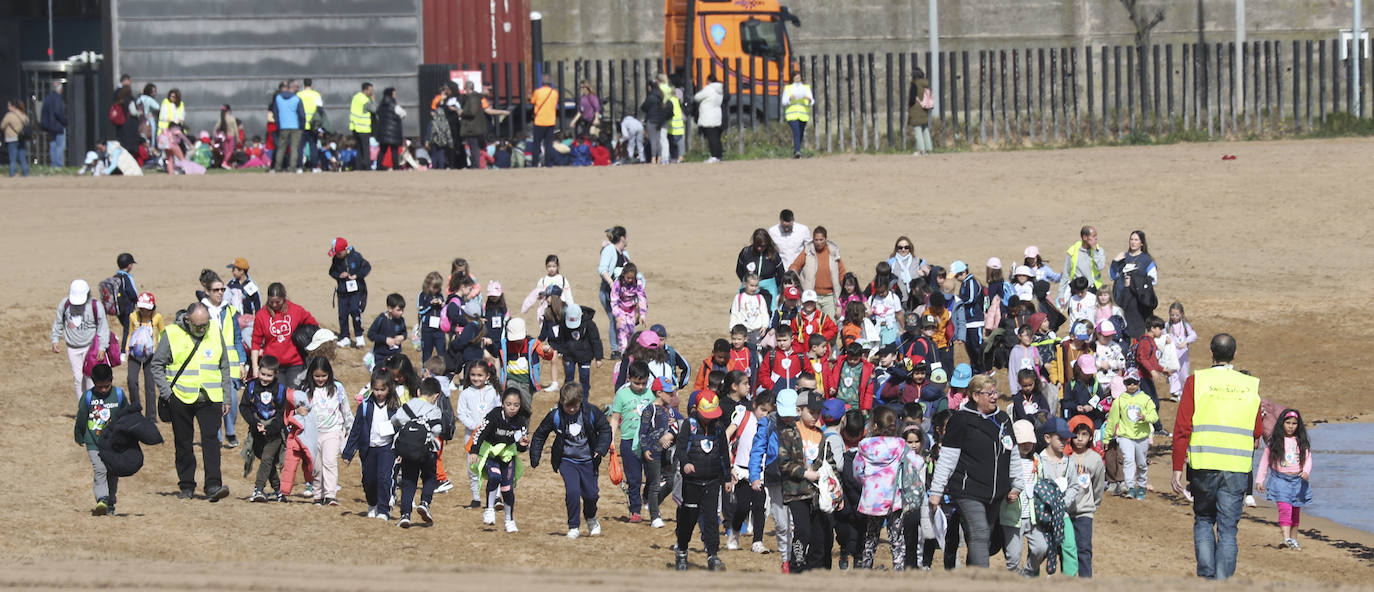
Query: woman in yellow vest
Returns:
{"type": "Point", "coordinates": [797, 100]}
{"type": "Point", "coordinates": [677, 129]}
{"type": "Point", "coordinates": [173, 111]}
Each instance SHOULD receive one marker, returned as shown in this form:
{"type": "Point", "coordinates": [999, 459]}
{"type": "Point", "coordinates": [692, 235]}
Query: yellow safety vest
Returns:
{"type": "Point", "coordinates": [202, 373]}
{"type": "Point", "coordinates": [678, 126]}
{"type": "Point", "coordinates": [359, 120]}
{"type": "Point", "coordinates": [170, 113]}
{"type": "Point", "coordinates": [1225, 405]}
{"type": "Point", "coordinates": [1074, 251]}
{"type": "Point", "coordinates": [310, 101]}
{"type": "Point", "coordinates": [798, 106]}
{"type": "Point", "coordinates": [227, 327]}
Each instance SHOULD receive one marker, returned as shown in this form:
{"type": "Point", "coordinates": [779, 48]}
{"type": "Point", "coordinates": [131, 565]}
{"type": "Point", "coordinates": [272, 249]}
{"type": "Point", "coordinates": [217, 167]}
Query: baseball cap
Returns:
{"type": "Point", "coordinates": [791, 293]}
{"type": "Point", "coordinates": [649, 339]}
{"type": "Point", "coordinates": [1057, 425]}
{"type": "Point", "coordinates": [1022, 270]}
{"type": "Point", "coordinates": [1087, 363]}
{"type": "Point", "coordinates": [554, 291]}
{"type": "Point", "coordinates": [337, 246]}
{"type": "Point", "coordinates": [787, 403]}
{"type": "Point", "coordinates": [913, 321]}
{"type": "Point", "coordinates": [660, 330]}
{"type": "Point", "coordinates": [1106, 327]}
{"type": "Point", "coordinates": [238, 263]}
{"type": "Point", "coordinates": [1024, 431]}
{"type": "Point", "coordinates": [1082, 330]}
{"type": "Point", "coordinates": [574, 317]}
{"type": "Point", "coordinates": [1032, 251]}
{"type": "Point", "coordinates": [515, 329]}
{"type": "Point", "coordinates": [957, 267]}
{"type": "Point", "coordinates": [1132, 375]}
{"type": "Point", "coordinates": [493, 288]}
{"type": "Point", "coordinates": [146, 301]}
{"type": "Point", "coordinates": [708, 405]}
{"type": "Point", "coordinates": [124, 260]}
{"type": "Point", "coordinates": [938, 375]}
{"type": "Point", "coordinates": [811, 400]}
{"type": "Point", "coordinates": [79, 293]}
{"type": "Point", "coordinates": [994, 263]}
{"type": "Point", "coordinates": [321, 337]}
{"type": "Point", "coordinates": [832, 410]}
{"type": "Point", "coordinates": [809, 296]}
{"type": "Point", "coordinates": [963, 373]}
{"type": "Point", "coordinates": [928, 321]}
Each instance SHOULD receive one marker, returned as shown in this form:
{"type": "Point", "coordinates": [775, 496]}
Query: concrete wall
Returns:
{"type": "Point", "coordinates": [634, 28]}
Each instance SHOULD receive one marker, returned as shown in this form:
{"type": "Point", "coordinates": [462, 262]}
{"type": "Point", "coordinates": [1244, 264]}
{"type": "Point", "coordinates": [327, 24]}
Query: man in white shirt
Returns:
{"type": "Point", "coordinates": [789, 236]}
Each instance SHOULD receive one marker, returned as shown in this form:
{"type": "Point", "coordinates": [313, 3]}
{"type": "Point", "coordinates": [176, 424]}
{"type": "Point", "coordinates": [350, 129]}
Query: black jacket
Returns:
{"type": "Point", "coordinates": [656, 111]}
{"type": "Point", "coordinates": [593, 420]}
{"type": "Point", "coordinates": [580, 345]}
{"type": "Point", "coordinates": [388, 130]}
{"type": "Point", "coordinates": [767, 266]}
{"type": "Point", "coordinates": [382, 329]}
{"type": "Point", "coordinates": [355, 265]}
{"type": "Point", "coordinates": [985, 446]}
{"type": "Point", "coordinates": [119, 442]}
{"type": "Point", "coordinates": [706, 450]}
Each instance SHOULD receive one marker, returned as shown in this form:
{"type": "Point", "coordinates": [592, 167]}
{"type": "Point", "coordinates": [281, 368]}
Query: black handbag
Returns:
{"type": "Point", "coordinates": [164, 407]}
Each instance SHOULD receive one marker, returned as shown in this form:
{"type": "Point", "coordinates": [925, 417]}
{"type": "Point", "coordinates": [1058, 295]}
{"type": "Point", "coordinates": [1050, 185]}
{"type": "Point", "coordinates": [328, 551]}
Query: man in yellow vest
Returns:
{"type": "Point", "coordinates": [1083, 259]}
{"type": "Point", "coordinates": [677, 129]}
{"type": "Point", "coordinates": [312, 102]}
{"type": "Point", "coordinates": [1215, 432]}
{"type": "Point", "coordinates": [797, 100]}
{"type": "Point", "coordinates": [360, 112]}
{"type": "Point", "coordinates": [190, 369]}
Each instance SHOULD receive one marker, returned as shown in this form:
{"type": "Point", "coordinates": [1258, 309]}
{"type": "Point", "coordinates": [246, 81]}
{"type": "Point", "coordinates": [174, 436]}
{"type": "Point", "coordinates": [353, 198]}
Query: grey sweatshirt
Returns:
{"type": "Point", "coordinates": [1090, 499]}
{"type": "Point", "coordinates": [91, 326]}
{"type": "Point", "coordinates": [162, 358]}
{"type": "Point", "coordinates": [418, 408]}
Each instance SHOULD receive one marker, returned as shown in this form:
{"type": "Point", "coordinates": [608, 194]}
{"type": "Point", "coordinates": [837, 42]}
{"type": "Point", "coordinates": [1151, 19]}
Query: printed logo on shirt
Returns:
{"type": "Point", "coordinates": [280, 329]}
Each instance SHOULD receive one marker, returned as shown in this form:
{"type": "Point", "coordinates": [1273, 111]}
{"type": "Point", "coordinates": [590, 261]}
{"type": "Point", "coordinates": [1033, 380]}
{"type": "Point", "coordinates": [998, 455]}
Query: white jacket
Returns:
{"type": "Point", "coordinates": [474, 405]}
{"type": "Point", "coordinates": [710, 97]}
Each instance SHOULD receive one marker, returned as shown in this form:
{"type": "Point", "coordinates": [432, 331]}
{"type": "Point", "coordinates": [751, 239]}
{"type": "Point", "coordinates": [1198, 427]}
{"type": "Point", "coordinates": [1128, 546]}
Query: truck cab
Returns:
{"type": "Point", "coordinates": [705, 36]}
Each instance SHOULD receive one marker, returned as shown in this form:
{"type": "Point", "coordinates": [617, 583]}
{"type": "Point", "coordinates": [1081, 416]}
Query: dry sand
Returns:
{"type": "Point", "coordinates": [1260, 247]}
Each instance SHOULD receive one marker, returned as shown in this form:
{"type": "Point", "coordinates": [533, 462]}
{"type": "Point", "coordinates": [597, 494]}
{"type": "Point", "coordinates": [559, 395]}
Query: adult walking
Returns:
{"type": "Point", "coordinates": [226, 323]}
{"type": "Point", "coordinates": [389, 135]}
{"type": "Point", "coordinates": [709, 116]}
{"type": "Point", "coordinates": [611, 263]}
{"type": "Point", "coordinates": [820, 269]}
{"type": "Point", "coordinates": [1083, 259]}
{"type": "Point", "coordinates": [190, 368]}
{"type": "Point", "coordinates": [473, 127]}
{"type": "Point", "coordinates": [906, 266]}
{"type": "Point", "coordinates": [760, 257]}
{"type": "Point", "coordinates": [289, 112]}
{"type": "Point", "coordinates": [545, 101]}
{"type": "Point", "coordinates": [1134, 277]}
{"type": "Point", "coordinates": [54, 121]}
{"type": "Point", "coordinates": [15, 127]}
{"type": "Point", "coordinates": [273, 327]}
{"type": "Point", "coordinates": [1215, 431]}
{"type": "Point", "coordinates": [360, 111]}
{"type": "Point", "coordinates": [977, 468]}
{"type": "Point", "coordinates": [312, 104]}
{"type": "Point", "coordinates": [82, 325]}
{"type": "Point", "coordinates": [919, 103]}
{"type": "Point", "coordinates": [798, 99]}
{"type": "Point", "coordinates": [789, 236]}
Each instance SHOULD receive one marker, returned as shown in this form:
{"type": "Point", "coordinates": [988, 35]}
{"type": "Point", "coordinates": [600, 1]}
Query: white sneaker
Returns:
{"type": "Point", "coordinates": [315, 170]}
{"type": "Point", "coordinates": [510, 526]}
{"type": "Point", "coordinates": [383, 517]}
{"type": "Point", "coordinates": [732, 542]}
{"type": "Point", "coordinates": [372, 511]}
{"type": "Point", "coordinates": [573, 533]}
{"type": "Point", "coordinates": [489, 516]}
{"type": "Point", "coordinates": [344, 342]}
{"type": "Point", "coordinates": [359, 341]}
{"type": "Point", "coordinates": [1250, 501]}
{"type": "Point", "coordinates": [760, 549]}
{"type": "Point", "coordinates": [593, 527]}
{"type": "Point", "coordinates": [657, 523]}
{"type": "Point", "coordinates": [298, 171]}
{"type": "Point", "coordinates": [552, 388]}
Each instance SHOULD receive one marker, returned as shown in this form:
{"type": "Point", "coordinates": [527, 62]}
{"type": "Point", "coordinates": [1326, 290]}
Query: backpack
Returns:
{"type": "Point", "coordinates": [117, 114]}
{"type": "Point", "coordinates": [255, 388]}
{"type": "Point", "coordinates": [120, 391]}
{"type": "Point", "coordinates": [831, 496]}
{"type": "Point", "coordinates": [109, 293]}
{"type": "Point", "coordinates": [446, 323]}
{"type": "Point", "coordinates": [412, 441]}
{"type": "Point", "coordinates": [448, 425]}
{"type": "Point", "coordinates": [927, 100]}
{"type": "Point", "coordinates": [909, 483]}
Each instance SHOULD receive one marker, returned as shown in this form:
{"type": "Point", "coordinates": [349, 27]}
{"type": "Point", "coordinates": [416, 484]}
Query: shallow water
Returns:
{"type": "Point", "coordinates": [1342, 473]}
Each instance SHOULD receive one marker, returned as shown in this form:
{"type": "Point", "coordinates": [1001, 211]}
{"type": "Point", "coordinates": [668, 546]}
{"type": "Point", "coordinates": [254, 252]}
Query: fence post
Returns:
{"type": "Point", "coordinates": [891, 142]}
{"type": "Point", "coordinates": [1069, 57]}
{"type": "Point", "coordinates": [1154, 83]}
{"type": "Point", "coordinates": [1321, 80]}
{"type": "Point", "coordinates": [829, 136]}
{"type": "Point", "coordinates": [815, 137]}
{"type": "Point", "coordinates": [1297, 65]}
{"type": "Point", "coordinates": [951, 107]}
{"type": "Point", "coordinates": [873, 98]}
{"type": "Point", "coordinates": [904, 98]}
{"type": "Point", "coordinates": [1278, 83]}
{"type": "Point", "coordinates": [1056, 91]}
{"type": "Point", "coordinates": [1130, 86]}
{"type": "Point", "coordinates": [739, 105]}
{"type": "Point", "coordinates": [1088, 87]}
{"type": "Point", "coordinates": [862, 139]}
{"type": "Point", "coordinates": [1307, 81]}
{"type": "Point", "coordinates": [1169, 85]}
{"type": "Point", "coordinates": [849, 101]}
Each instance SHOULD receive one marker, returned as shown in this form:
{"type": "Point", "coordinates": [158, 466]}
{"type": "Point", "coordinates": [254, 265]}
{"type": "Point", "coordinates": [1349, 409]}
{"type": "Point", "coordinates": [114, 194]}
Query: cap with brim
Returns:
{"type": "Point", "coordinates": [238, 263]}
{"type": "Point", "coordinates": [833, 410]}
{"type": "Point", "coordinates": [963, 374]}
{"type": "Point", "coordinates": [1057, 425]}
{"type": "Point", "coordinates": [938, 375]}
{"type": "Point", "coordinates": [957, 267]}
{"type": "Point", "coordinates": [660, 330]}
{"type": "Point", "coordinates": [791, 293]}
{"type": "Point", "coordinates": [787, 403]}
{"type": "Point", "coordinates": [809, 296]}
{"type": "Point", "coordinates": [1132, 375]}
{"type": "Point", "coordinates": [321, 337]}
{"type": "Point", "coordinates": [1024, 431]}
{"type": "Point", "coordinates": [708, 405]}
{"type": "Point", "coordinates": [928, 321]}
{"type": "Point", "coordinates": [574, 317]}
{"type": "Point", "coordinates": [79, 293]}
{"type": "Point", "coordinates": [913, 321]}
{"type": "Point", "coordinates": [811, 400]}
{"type": "Point", "coordinates": [515, 329]}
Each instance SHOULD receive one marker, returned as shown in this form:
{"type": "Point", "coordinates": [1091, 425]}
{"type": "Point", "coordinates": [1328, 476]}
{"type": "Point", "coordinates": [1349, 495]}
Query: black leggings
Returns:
{"type": "Point", "coordinates": [811, 536]}
{"type": "Point", "coordinates": [699, 501]}
{"type": "Point", "coordinates": [748, 504]}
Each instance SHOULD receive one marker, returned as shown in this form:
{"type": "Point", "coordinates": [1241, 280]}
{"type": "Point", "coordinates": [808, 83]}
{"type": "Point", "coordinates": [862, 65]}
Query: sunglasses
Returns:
{"type": "Point", "coordinates": [903, 247]}
{"type": "Point", "coordinates": [216, 289]}
{"type": "Point", "coordinates": [201, 326]}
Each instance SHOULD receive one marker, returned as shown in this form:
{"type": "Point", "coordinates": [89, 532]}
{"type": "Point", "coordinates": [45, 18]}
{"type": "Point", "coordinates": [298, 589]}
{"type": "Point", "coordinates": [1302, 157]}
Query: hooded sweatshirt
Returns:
{"type": "Point", "coordinates": [875, 466]}
{"type": "Point", "coordinates": [1131, 416]}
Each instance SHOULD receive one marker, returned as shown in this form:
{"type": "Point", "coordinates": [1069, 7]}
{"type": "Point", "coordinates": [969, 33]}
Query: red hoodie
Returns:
{"type": "Point", "coordinates": [272, 332]}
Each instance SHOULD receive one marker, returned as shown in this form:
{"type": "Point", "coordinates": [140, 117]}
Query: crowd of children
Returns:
{"type": "Point", "coordinates": [831, 425]}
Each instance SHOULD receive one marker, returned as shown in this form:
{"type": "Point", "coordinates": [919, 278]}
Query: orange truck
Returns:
{"type": "Point", "coordinates": [712, 34]}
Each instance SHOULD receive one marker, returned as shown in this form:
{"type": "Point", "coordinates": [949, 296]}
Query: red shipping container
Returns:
{"type": "Point", "coordinates": [476, 32]}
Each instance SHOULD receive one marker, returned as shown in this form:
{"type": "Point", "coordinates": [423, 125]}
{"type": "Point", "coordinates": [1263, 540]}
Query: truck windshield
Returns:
{"type": "Point", "coordinates": [762, 38]}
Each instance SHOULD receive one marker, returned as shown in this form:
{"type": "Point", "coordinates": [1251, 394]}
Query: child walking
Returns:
{"type": "Point", "coordinates": [349, 270]}
{"type": "Point", "coordinates": [882, 459]}
{"type": "Point", "coordinates": [146, 325]}
{"type": "Point", "coordinates": [1128, 423]}
{"type": "Point", "coordinates": [1183, 334]}
{"type": "Point", "coordinates": [330, 413]}
{"type": "Point", "coordinates": [581, 438]}
{"type": "Point", "coordinates": [388, 331]}
{"type": "Point", "coordinates": [475, 401]}
{"type": "Point", "coordinates": [541, 293]}
{"type": "Point", "coordinates": [264, 406]}
{"type": "Point", "coordinates": [750, 309]}
{"type": "Point", "coordinates": [94, 410]}
{"type": "Point", "coordinates": [629, 303]}
{"type": "Point", "coordinates": [800, 454]}
{"type": "Point", "coordinates": [418, 424]}
{"type": "Point", "coordinates": [500, 440]}
{"type": "Point", "coordinates": [1285, 473]}
{"type": "Point", "coordinates": [428, 307]}
{"type": "Point", "coordinates": [1086, 467]}
{"type": "Point", "coordinates": [371, 438]}
{"type": "Point", "coordinates": [703, 460]}
{"type": "Point", "coordinates": [657, 433]}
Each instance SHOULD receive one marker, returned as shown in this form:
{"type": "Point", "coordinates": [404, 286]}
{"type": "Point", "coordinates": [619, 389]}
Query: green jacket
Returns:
{"type": "Point", "coordinates": [1119, 422]}
{"type": "Point", "coordinates": [91, 417]}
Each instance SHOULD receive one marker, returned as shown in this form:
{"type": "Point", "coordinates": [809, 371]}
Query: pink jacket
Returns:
{"type": "Point", "coordinates": [875, 466]}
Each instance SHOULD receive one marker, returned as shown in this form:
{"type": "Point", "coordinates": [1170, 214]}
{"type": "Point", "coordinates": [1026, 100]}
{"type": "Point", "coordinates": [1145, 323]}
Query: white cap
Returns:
{"type": "Point", "coordinates": [809, 296]}
{"type": "Point", "coordinates": [515, 329]}
{"type": "Point", "coordinates": [1022, 270]}
{"type": "Point", "coordinates": [79, 293]}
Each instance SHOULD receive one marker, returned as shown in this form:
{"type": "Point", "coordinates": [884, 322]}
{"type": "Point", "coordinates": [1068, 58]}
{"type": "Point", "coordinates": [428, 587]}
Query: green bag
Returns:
{"type": "Point", "coordinates": [1068, 556]}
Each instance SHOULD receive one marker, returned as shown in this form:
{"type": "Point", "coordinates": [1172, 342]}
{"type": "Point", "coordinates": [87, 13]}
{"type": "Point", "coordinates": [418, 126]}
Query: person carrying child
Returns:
{"type": "Point", "coordinates": [504, 434]}
{"type": "Point", "coordinates": [349, 270]}
{"type": "Point", "coordinates": [418, 424]}
{"type": "Point", "coordinates": [371, 437]}
{"type": "Point", "coordinates": [703, 460]}
{"type": "Point", "coordinates": [1285, 473]}
{"type": "Point", "coordinates": [581, 438]}
{"type": "Point", "coordinates": [266, 402]}
{"type": "Point", "coordinates": [95, 409]}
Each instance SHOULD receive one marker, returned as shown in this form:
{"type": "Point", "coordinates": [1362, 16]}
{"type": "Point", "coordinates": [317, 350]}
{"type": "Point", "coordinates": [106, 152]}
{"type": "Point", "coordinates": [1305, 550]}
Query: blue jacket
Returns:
{"type": "Point", "coordinates": [383, 328]}
{"type": "Point", "coordinates": [968, 306]}
{"type": "Point", "coordinates": [54, 118]}
{"type": "Point", "coordinates": [764, 455]}
{"type": "Point", "coordinates": [362, 429]}
{"type": "Point", "coordinates": [288, 110]}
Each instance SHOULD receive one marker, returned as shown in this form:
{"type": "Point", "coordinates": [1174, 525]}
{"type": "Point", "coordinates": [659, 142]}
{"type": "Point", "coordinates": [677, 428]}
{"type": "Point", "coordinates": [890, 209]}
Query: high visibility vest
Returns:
{"type": "Point", "coordinates": [171, 113]}
{"type": "Point", "coordinates": [359, 120]}
{"type": "Point", "coordinates": [798, 106]}
{"type": "Point", "coordinates": [202, 373]}
{"type": "Point", "coordinates": [1225, 403]}
{"type": "Point", "coordinates": [1074, 251]}
{"type": "Point", "coordinates": [678, 126]}
{"type": "Point", "coordinates": [227, 327]}
{"type": "Point", "coordinates": [310, 101]}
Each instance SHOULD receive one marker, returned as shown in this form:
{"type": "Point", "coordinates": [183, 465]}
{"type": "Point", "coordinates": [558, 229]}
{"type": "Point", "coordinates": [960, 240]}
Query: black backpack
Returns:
{"type": "Point", "coordinates": [412, 441]}
{"type": "Point", "coordinates": [448, 422]}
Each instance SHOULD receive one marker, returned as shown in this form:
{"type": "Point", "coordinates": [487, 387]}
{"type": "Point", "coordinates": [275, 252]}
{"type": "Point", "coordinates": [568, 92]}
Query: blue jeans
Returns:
{"type": "Point", "coordinates": [231, 398]}
{"type": "Point", "coordinates": [798, 129]}
{"type": "Point", "coordinates": [1083, 537]}
{"type": "Point", "coordinates": [580, 490]}
{"type": "Point", "coordinates": [634, 474]}
{"type": "Point", "coordinates": [57, 149]}
{"type": "Point", "coordinates": [543, 146]}
{"type": "Point", "coordinates": [1218, 500]}
{"type": "Point", "coordinates": [309, 138]}
{"type": "Point", "coordinates": [19, 156]}
{"type": "Point", "coordinates": [606, 305]}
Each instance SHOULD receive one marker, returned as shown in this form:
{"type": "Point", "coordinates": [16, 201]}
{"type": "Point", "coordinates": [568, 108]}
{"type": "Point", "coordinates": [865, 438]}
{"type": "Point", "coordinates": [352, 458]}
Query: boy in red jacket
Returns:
{"type": "Point", "coordinates": [1147, 360]}
{"type": "Point", "coordinates": [818, 362]}
{"type": "Point", "coordinates": [812, 321]}
{"type": "Point", "coordinates": [782, 365]}
{"type": "Point", "coordinates": [851, 379]}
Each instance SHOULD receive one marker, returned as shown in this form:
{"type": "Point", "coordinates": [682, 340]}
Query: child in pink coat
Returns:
{"type": "Point", "coordinates": [629, 303]}
{"type": "Point", "coordinates": [876, 468]}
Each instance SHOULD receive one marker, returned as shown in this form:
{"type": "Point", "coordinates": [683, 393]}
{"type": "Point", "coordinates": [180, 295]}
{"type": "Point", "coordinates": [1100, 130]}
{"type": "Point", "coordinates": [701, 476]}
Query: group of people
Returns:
{"type": "Point", "coordinates": [834, 406]}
